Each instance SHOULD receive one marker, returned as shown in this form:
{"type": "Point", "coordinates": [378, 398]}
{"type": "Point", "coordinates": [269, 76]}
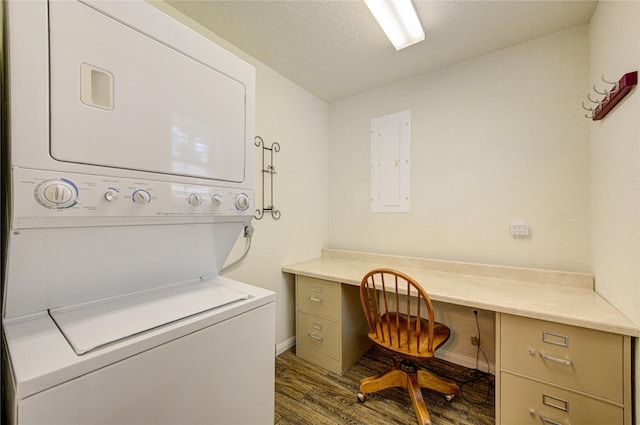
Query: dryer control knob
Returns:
{"type": "Point", "coordinates": [194, 199]}
{"type": "Point", "coordinates": [56, 194]}
{"type": "Point", "coordinates": [216, 200]}
{"type": "Point", "coordinates": [242, 202]}
{"type": "Point", "coordinates": [141, 196]}
{"type": "Point", "coordinates": [111, 195]}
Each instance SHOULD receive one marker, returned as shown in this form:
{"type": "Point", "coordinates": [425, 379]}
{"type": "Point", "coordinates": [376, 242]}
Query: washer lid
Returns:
{"type": "Point", "coordinates": [89, 326]}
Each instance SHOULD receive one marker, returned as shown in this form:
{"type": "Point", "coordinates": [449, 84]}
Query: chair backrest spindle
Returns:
{"type": "Point", "coordinates": [375, 296]}
{"type": "Point", "coordinates": [409, 315]}
{"type": "Point", "coordinates": [417, 323]}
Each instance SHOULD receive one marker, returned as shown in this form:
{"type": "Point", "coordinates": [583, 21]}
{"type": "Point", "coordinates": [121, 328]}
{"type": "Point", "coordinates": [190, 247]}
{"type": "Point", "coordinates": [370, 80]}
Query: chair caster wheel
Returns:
{"type": "Point", "coordinates": [361, 397]}
{"type": "Point", "coordinates": [449, 397]}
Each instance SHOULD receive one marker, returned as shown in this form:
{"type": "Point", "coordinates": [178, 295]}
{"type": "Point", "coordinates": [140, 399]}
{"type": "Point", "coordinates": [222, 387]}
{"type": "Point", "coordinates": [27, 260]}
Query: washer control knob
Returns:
{"type": "Point", "coordinates": [194, 199]}
{"type": "Point", "coordinates": [111, 195]}
{"type": "Point", "coordinates": [141, 196]}
{"type": "Point", "coordinates": [216, 200]}
{"type": "Point", "coordinates": [56, 194]}
{"type": "Point", "coordinates": [242, 202]}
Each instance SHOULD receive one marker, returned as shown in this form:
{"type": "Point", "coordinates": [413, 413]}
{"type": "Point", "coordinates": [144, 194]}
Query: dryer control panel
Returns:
{"type": "Point", "coordinates": [53, 199]}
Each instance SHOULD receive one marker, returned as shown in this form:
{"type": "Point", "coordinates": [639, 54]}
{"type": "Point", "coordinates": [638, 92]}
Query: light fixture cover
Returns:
{"type": "Point", "coordinates": [398, 20]}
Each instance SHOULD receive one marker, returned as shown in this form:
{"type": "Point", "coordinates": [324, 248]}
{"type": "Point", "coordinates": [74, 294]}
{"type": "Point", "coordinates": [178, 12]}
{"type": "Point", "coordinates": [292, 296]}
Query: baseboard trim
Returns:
{"type": "Point", "coordinates": [465, 361]}
{"type": "Point", "coordinates": [284, 346]}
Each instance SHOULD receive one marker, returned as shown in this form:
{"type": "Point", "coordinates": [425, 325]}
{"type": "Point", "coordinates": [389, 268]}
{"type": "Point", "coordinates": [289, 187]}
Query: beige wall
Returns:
{"type": "Point", "coordinates": [615, 159]}
{"type": "Point", "coordinates": [298, 121]}
{"type": "Point", "coordinates": [493, 139]}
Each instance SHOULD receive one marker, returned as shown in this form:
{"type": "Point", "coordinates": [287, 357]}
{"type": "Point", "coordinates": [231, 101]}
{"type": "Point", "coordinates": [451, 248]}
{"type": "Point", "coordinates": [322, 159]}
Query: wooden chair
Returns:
{"type": "Point", "coordinates": [396, 323]}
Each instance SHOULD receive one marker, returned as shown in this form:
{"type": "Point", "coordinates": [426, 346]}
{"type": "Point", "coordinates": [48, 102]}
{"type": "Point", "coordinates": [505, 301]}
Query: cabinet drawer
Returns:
{"type": "Point", "coordinates": [578, 358]}
{"type": "Point", "coordinates": [530, 402]}
{"type": "Point", "coordinates": [319, 297]}
{"type": "Point", "coordinates": [318, 334]}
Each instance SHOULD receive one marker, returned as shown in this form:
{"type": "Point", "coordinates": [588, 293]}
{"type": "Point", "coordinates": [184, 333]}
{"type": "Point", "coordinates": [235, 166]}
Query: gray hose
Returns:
{"type": "Point", "coordinates": [248, 233]}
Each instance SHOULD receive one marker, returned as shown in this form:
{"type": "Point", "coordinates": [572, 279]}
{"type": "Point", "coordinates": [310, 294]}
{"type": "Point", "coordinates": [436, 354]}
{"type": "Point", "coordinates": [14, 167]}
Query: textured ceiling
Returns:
{"type": "Point", "coordinates": [335, 49]}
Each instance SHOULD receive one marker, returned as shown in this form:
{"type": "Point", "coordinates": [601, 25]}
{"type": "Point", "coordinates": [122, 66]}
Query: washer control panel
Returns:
{"type": "Point", "coordinates": [45, 194]}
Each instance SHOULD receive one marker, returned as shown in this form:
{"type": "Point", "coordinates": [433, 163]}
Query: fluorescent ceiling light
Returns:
{"type": "Point", "coordinates": [398, 20]}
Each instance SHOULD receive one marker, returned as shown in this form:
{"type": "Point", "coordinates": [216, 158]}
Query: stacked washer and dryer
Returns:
{"type": "Point", "coordinates": [131, 168]}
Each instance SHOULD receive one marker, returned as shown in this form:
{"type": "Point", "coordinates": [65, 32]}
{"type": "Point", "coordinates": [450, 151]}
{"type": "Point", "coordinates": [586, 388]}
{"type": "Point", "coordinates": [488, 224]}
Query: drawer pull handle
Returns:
{"type": "Point", "coordinates": [556, 359]}
{"type": "Point", "coordinates": [314, 299]}
{"type": "Point", "coordinates": [555, 339]}
{"type": "Point", "coordinates": [556, 402]}
{"type": "Point", "coordinates": [316, 337]}
{"type": "Point", "coordinates": [549, 421]}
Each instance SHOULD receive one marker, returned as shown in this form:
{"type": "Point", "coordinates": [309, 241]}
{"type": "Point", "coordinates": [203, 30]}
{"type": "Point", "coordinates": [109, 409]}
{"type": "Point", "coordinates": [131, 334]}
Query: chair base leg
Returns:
{"type": "Point", "coordinates": [403, 374]}
{"type": "Point", "coordinates": [393, 377]}
{"type": "Point", "coordinates": [444, 386]}
{"type": "Point", "coordinates": [413, 387]}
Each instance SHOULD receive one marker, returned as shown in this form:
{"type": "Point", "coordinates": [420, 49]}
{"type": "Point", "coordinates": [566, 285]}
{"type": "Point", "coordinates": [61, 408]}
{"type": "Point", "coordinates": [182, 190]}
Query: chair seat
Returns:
{"type": "Point", "coordinates": [410, 343]}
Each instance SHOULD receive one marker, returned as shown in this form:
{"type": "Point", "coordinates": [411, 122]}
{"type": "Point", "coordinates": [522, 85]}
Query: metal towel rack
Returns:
{"type": "Point", "coordinates": [268, 171]}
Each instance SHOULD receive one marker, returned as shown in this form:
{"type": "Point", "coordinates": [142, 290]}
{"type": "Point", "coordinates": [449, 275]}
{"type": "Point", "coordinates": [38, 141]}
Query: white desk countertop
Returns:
{"type": "Point", "coordinates": [550, 295]}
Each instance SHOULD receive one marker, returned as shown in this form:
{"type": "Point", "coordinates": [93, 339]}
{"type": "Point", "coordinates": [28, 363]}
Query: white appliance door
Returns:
{"type": "Point", "coordinates": [116, 101]}
{"type": "Point", "coordinates": [185, 381]}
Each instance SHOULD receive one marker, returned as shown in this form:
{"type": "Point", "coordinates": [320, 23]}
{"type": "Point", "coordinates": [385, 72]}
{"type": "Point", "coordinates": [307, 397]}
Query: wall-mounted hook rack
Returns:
{"type": "Point", "coordinates": [612, 96]}
{"type": "Point", "coordinates": [268, 171]}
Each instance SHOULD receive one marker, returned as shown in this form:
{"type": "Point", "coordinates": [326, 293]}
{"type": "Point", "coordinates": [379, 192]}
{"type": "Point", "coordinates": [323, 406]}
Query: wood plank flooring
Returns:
{"type": "Point", "coordinates": [308, 394]}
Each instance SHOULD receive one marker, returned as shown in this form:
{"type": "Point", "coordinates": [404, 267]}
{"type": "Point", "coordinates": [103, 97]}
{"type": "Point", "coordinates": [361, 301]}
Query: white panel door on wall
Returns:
{"type": "Point", "coordinates": [390, 166]}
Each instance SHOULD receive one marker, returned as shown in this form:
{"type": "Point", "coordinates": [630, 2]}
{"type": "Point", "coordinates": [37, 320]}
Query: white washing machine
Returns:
{"type": "Point", "coordinates": [131, 158]}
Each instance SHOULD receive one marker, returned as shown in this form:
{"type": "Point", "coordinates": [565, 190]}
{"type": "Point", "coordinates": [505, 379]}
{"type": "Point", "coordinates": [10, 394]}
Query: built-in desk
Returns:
{"type": "Point", "coordinates": [556, 338]}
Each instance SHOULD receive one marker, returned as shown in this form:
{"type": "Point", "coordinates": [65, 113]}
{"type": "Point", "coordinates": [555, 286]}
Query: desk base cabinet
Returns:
{"type": "Point", "coordinates": [552, 373]}
{"type": "Point", "coordinates": [331, 329]}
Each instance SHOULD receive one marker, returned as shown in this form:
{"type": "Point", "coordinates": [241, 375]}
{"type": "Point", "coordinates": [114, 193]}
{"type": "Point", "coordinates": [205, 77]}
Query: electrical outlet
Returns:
{"type": "Point", "coordinates": [519, 228]}
{"type": "Point", "coordinates": [474, 340]}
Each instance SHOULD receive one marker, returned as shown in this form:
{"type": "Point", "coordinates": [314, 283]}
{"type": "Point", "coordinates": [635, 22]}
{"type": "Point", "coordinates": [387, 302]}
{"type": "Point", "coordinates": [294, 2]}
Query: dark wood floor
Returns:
{"type": "Point", "coordinates": [308, 394]}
